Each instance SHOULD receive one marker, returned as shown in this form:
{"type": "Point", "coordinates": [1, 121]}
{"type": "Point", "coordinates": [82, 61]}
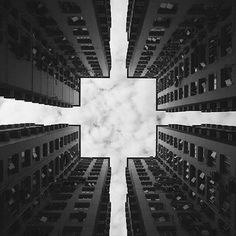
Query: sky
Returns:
{"type": "Point", "coordinates": [117, 116]}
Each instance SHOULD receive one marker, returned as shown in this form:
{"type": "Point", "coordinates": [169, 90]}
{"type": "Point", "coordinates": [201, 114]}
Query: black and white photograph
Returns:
{"type": "Point", "coordinates": [117, 118]}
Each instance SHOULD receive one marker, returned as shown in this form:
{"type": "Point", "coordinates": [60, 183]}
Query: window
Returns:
{"type": "Point", "coordinates": [180, 144]}
{"type": "Point", "coordinates": [26, 189]}
{"type": "Point", "coordinates": [57, 144]}
{"type": "Point", "coordinates": [200, 154]}
{"type": "Point", "coordinates": [202, 86]}
{"type": "Point", "coordinates": [211, 158]}
{"type": "Point", "coordinates": [202, 56]}
{"type": "Point", "coordinates": [175, 143]}
{"type": "Point", "coordinates": [36, 182]}
{"type": "Point", "coordinates": [44, 174]}
{"type": "Point", "coordinates": [171, 96]}
{"type": "Point", "coordinates": [45, 149]}
{"type": "Point", "coordinates": [186, 147]}
{"type": "Point", "coordinates": [180, 165]}
{"type": "Point", "coordinates": [192, 175]}
{"type": "Point", "coordinates": [65, 140]}
{"type": "Point", "coordinates": [86, 196]}
{"type": "Point", "coordinates": [226, 40]}
{"type": "Point", "coordinates": [161, 217]}
{"type": "Point", "coordinates": [180, 93]}
{"type": "Point", "coordinates": [69, 7]}
{"type": "Point", "coordinates": [81, 206]}
{"type": "Point", "coordinates": [170, 232]}
{"type": "Point", "coordinates": [162, 22]}
{"type": "Point", "coordinates": [148, 47]}
{"type": "Point", "coordinates": [76, 20]}
{"type": "Point", "coordinates": [167, 8]}
{"type": "Point", "coordinates": [156, 32]}
{"type": "Point", "coordinates": [158, 206]}
{"type": "Point", "coordinates": [55, 206]}
{"type": "Point", "coordinates": [225, 207]}
{"type": "Point", "coordinates": [13, 164]}
{"type": "Point", "coordinates": [51, 171]}
{"type": "Point", "coordinates": [25, 158]}
{"type": "Point", "coordinates": [225, 164]}
{"type": "Point", "coordinates": [168, 97]}
{"type": "Point", "coordinates": [185, 91]}
{"type": "Point", "coordinates": [226, 77]}
{"type": "Point", "coordinates": [195, 151]}
{"type": "Point", "coordinates": [194, 62]}
{"type": "Point", "coordinates": [51, 146]}
{"type": "Point", "coordinates": [176, 76]}
{"type": "Point", "coordinates": [212, 82]}
{"type": "Point", "coordinates": [57, 165]}
{"type": "Point", "coordinates": [181, 71]}
{"type": "Point", "coordinates": [87, 48]}
{"type": "Point", "coordinates": [165, 137]}
{"type": "Point", "coordinates": [36, 153]}
{"type": "Point", "coordinates": [212, 52]}
{"type": "Point", "coordinates": [176, 94]}
{"type": "Point", "coordinates": [12, 199]}
{"type": "Point", "coordinates": [192, 150]}
{"type": "Point", "coordinates": [61, 142]}
{"type": "Point", "coordinates": [186, 67]}
{"type": "Point", "coordinates": [80, 31]}
{"type": "Point", "coordinates": [78, 216]}
{"type": "Point", "coordinates": [194, 88]}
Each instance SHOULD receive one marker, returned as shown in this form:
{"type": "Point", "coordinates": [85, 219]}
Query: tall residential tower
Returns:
{"type": "Point", "coordinates": [46, 187]}
{"type": "Point", "coordinates": [47, 46]}
{"type": "Point", "coordinates": [188, 188]}
{"type": "Point", "coordinates": [188, 46]}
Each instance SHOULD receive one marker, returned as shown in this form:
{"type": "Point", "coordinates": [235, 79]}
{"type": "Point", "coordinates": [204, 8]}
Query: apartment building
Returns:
{"type": "Point", "coordinates": [47, 46]}
{"type": "Point", "coordinates": [159, 202]}
{"type": "Point", "coordinates": [149, 27]}
{"type": "Point", "coordinates": [32, 158]}
{"type": "Point", "coordinates": [199, 71]}
{"type": "Point", "coordinates": [46, 187]}
{"type": "Point", "coordinates": [151, 206]}
{"type": "Point", "coordinates": [201, 157]}
{"type": "Point", "coordinates": [188, 46]}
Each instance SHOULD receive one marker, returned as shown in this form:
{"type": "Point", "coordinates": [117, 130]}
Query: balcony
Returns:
{"type": "Point", "coordinates": [167, 8]}
{"type": "Point", "coordinates": [69, 7]}
{"type": "Point", "coordinates": [55, 206]}
{"type": "Point", "coordinates": [61, 196]}
{"type": "Point", "coordinates": [76, 21]}
{"type": "Point", "coordinates": [46, 217]}
{"type": "Point", "coordinates": [156, 206]}
{"type": "Point", "coordinates": [77, 217]}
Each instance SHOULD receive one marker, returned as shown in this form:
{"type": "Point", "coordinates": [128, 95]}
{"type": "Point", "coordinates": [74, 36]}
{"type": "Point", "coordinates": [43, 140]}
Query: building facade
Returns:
{"type": "Point", "coordinates": [47, 46]}
{"type": "Point", "coordinates": [32, 158]}
{"type": "Point", "coordinates": [46, 187]}
{"type": "Point", "coordinates": [189, 47]}
{"type": "Point", "coordinates": [199, 75]}
{"type": "Point", "coordinates": [149, 27]}
{"type": "Point", "coordinates": [188, 188]}
{"type": "Point", "coordinates": [202, 157]}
